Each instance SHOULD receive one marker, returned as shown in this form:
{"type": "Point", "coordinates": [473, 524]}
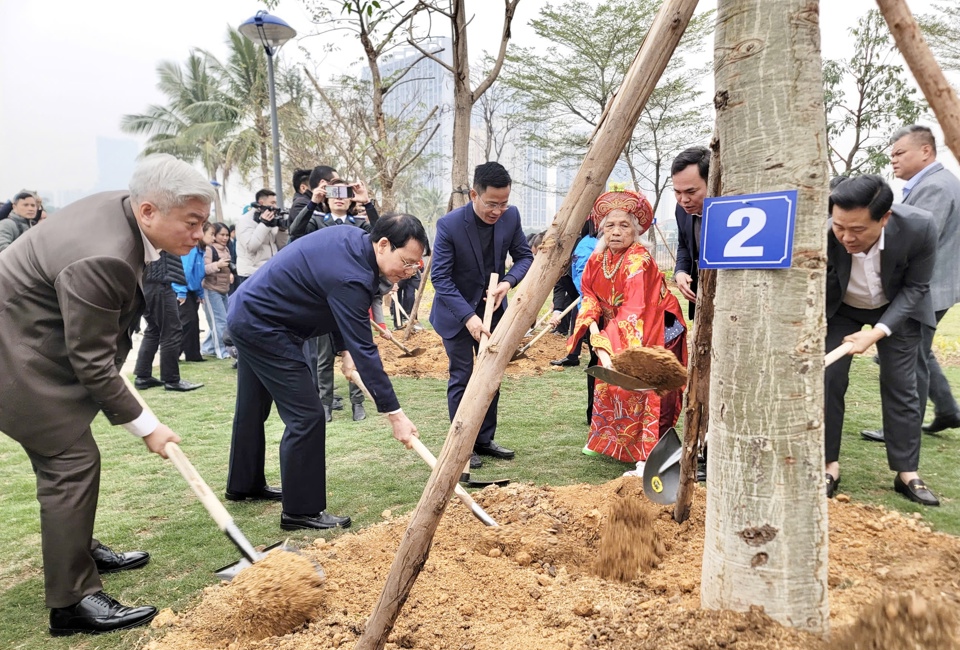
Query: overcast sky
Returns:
{"type": "Point", "coordinates": [70, 70]}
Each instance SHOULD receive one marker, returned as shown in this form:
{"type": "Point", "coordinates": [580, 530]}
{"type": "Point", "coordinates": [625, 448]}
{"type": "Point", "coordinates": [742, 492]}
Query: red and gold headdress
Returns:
{"type": "Point", "coordinates": [626, 200]}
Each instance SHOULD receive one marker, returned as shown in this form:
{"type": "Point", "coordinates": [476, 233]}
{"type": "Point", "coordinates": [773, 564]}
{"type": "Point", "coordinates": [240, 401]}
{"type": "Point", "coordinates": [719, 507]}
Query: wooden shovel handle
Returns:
{"type": "Point", "coordinates": [187, 470]}
{"type": "Point", "coordinates": [393, 339]}
{"type": "Point", "coordinates": [834, 355]}
{"type": "Point", "coordinates": [488, 311]}
{"type": "Point", "coordinates": [605, 360]}
{"type": "Point", "coordinates": [547, 329]}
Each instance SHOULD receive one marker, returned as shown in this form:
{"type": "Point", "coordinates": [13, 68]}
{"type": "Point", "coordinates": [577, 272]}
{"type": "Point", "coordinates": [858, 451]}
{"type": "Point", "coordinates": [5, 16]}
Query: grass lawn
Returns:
{"type": "Point", "coordinates": [145, 504]}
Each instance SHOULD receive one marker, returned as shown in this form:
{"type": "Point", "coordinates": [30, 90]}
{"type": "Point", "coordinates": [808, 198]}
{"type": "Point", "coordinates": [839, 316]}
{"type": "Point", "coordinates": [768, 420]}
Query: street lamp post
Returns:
{"type": "Point", "coordinates": [272, 33]}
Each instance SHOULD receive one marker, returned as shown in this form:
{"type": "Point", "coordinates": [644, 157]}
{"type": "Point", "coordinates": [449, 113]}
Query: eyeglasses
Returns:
{"type": "Point", "coordinates": [407, 265]}
{"type": "Point", "coordinates": [495, 206]}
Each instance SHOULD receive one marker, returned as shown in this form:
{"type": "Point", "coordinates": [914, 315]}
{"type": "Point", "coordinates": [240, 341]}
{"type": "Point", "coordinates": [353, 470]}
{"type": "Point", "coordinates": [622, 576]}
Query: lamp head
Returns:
{"type": "Point", "coordinates": [269, 31]}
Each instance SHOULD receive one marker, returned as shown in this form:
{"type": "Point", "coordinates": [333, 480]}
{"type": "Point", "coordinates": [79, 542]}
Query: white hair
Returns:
{"type": "Point", "coordinates": [602, 241]}
{"type": "Point", "coordinates": [168, 182]}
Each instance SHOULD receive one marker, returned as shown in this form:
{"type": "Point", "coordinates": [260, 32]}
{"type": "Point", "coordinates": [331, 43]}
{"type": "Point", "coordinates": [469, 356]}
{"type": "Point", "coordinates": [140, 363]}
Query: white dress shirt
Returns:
{"type": "Point", "coordinates": [865, 289]}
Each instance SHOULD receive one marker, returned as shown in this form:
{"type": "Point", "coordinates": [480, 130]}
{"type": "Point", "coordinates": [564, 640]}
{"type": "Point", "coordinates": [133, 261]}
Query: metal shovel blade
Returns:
{"type": "Point", "coordinates": [615, 378]}
{"type": "Point", "coordinates": [661, 474]}
{"type": "Point", "coordinates": [230, 571]}
{"type": "Point", "coordinates": [415, 352]}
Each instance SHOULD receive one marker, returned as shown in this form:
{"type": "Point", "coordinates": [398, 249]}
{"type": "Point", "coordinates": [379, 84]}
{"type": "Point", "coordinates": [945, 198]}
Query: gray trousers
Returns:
{"type": "Point", "coordinates": [68, 486]}
{"type": "Point", "coordinates": [325, 361]}
{"type": "Point", "coordinates": [930, 379]}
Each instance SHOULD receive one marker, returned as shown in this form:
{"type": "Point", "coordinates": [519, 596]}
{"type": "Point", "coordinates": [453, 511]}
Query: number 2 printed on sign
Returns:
{"type": "Point", "coordinates": [756, 219]}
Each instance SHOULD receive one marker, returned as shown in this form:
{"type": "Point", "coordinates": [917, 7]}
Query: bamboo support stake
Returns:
{"type": "Point", "coordinates": [414, 317]}
{"type": "Point", "coordinates": [614, 130]}
{"type": "Point", "coordinates": [936, 89]}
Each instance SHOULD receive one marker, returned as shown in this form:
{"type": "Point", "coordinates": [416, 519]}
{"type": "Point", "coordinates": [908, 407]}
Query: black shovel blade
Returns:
{"type": "Point", "coordinates": [470, 483]}
{"type": "Point", "coordinates": [615, 378]}
{"type": "Point", "coordinates": [230, 571]}
{"type": "Point", "coordinates": [661, 473]}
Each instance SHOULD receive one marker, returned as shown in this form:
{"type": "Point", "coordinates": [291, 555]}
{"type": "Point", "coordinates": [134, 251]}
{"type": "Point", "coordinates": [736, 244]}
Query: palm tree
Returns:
{"type": "Point", "coordinates": [197, 121]}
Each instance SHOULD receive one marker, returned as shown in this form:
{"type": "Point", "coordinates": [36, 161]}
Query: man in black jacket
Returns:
{"type": "Point", "coordinates": [689, 172]}
{"type": "Point", "coordinates": [163, 326]}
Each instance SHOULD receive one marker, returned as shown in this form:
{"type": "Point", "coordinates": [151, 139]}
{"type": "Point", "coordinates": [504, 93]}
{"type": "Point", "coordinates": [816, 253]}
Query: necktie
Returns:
{"type": "Point", "coordinates": [339, 222]}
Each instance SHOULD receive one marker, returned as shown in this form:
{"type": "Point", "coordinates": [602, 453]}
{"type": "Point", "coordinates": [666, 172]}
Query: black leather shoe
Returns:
{"type": "Point", "coordinates": [110, 562]}
{"type": "Point", "coordinates": [337, 404]}
{"type": "Point", "coordinates": [359, 413]}
{"type": "Point", "coordinates": [475, 462]}
{"type": "Point", "coordinates": [266, 493]}
{"type": "Point", "coordinates": [873, 435]}
{"type": "Point", "coordinates": [143, 383]}
{"type": "Point", "coordinates": [916, 491]}
{"type": "Point", "coordinates": [182, 386]}
{"type": "Point", "coordinates": [327, 413]}
{"type": "Point", "coordinates": [832, 484]}
{"type": "Point", "coordinates": [321, 521]}
{"type": "Point", "coordinates": [941, 423]}
{"type": "Point", "coordinates": [96, 614]}
{"type": "Point", "coordinates": [565, 362]}
{"type": "Point", "coordinates": [495, 450]}
{"type": "Point", "coordinates": [701, 472]}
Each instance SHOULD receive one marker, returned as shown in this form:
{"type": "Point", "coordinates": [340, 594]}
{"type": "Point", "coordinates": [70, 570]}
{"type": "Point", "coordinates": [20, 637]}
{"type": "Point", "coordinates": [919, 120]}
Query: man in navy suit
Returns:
{"type": "Point", "coordinates": [472, 242]}
{"type": "Point", "coordinates": [321, 284]}
{"type": "Point", "coordinates": [689, 172]}
{"type": "Point", "coordinates": [879, 263]}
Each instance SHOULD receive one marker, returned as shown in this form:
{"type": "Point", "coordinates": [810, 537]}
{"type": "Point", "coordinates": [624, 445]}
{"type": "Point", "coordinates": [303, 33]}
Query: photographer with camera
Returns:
{"type": "Point", "coordinates": [320, 212]}
{"type": "Point", "coordinates": [261, 232]}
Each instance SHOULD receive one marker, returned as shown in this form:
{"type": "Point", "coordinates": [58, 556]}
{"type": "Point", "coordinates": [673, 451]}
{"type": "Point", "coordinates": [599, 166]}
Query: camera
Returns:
{"type": "Point", "coordinates": [339, 192]}
{"type": "Point", "coordinates": [281, 218]}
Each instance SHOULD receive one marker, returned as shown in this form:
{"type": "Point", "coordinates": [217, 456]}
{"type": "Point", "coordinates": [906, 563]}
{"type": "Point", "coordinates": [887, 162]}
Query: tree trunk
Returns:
{"type": "Point", "coordinates": [696, 414]}
{"type": "Point", "coordinates": [462, 108]}
{"type": "Point", "coordinates": [936, 89]}
{"type": "Point", "coordinates": [613, 131]}
{"type": "Point", "coordinates": [766, 525]}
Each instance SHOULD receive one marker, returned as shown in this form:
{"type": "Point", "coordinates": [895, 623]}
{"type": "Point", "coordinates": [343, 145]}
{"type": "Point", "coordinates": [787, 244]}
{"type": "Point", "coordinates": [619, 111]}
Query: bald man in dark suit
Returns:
{"type": "Point", "coordinates": [69, 293]}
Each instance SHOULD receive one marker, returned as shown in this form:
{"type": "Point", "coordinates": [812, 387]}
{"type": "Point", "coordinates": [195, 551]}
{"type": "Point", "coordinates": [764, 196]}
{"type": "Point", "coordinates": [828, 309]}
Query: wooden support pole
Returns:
{"type": "Point", "coordinates": [613, 131]}
{"type": "Point", "coordinates": [696, 412]}
{"type": "Point", "coordinates": [936, 89]}
{"type": "Point", "coordinates": [415, 310]}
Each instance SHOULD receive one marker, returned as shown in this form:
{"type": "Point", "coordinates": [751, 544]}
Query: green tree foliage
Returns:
{"type": "Point", "coordinates": [591, 48]}
{"type": "Point", "coordinates": [942, 30]}
{"type": "Point", "coordinates": [867, 97]}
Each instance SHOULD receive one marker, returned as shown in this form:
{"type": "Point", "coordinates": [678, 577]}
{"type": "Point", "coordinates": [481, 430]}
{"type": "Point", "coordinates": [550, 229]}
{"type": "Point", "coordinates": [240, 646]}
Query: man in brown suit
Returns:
{"type": "Point", "coordinates": [69, 292]}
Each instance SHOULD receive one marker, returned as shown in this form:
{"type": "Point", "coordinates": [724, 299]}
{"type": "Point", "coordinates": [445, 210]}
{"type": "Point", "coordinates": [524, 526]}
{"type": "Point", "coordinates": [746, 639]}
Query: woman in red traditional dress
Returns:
{"type": "Point", "coordinates": [626, 295]}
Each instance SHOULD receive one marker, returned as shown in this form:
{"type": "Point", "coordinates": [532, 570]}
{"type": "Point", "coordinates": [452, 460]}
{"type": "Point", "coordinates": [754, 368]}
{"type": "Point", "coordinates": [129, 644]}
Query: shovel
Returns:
{"type": "Point", "coordinates": [605, 372]}
{"type": "Point", "coordinates": [520, 353]}
{"type": "Point", "coordinates": [661, 474]}
{"type": "Point", "coordinates": [407, 352]}
{"type": "Point", "coordinates": [431, 460]}
{"type": "Point", "coordinates": [220, 515]}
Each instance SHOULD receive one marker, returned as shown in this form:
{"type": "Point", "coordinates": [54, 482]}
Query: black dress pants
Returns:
{"type": "Point", "coordinates": [460, 353]}
{"type": "Point", "coordinates": [898, 386]}
{"type": "Point", "coordinates": [189, 313]}
{"type": "Point", "coordinates": [282, 376]}
{"type": "Point", "coordinates": [163, 331]}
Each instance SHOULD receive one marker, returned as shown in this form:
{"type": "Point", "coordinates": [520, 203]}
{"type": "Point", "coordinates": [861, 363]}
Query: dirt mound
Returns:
{"type": "Point", "coordinates": [433, 361]}
{"type": "Point", "coordinates": [530, 583]}
{"type": "Point", "coordinates": [908, 620]}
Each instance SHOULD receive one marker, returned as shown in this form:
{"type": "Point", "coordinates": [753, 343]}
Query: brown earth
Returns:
{"type": "Point", "coordinates": [433, 361]}
{"type": "Point", "coordinates": [532, 583]}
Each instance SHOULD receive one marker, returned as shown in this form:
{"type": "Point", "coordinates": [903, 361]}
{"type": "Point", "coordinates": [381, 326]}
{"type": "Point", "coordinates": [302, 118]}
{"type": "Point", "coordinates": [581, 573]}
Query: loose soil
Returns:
{"type": "Point", "coordinates": [533, 582]}
{"type": "Point", "coordinates": [433, 361]}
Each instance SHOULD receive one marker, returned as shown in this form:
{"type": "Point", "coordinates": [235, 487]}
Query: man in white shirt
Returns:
{"type": "Point", "coordinates": [880, 259]}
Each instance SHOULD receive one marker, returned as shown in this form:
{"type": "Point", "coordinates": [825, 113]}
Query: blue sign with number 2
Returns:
{"type": "Point", "coordinates": [753, 231]}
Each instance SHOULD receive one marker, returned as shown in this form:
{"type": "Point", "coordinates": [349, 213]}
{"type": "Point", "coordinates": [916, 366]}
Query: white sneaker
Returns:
{"type": "Point", "coordinates": [638, 472]}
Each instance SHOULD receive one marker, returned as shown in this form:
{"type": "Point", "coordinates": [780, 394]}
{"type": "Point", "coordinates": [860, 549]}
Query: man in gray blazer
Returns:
{"type": "Point", "coordinates": [69, 292]}
{"type": "Point", "coordinates": [880, 258]}
{"type": "Point", "coordinates": [931, 187]}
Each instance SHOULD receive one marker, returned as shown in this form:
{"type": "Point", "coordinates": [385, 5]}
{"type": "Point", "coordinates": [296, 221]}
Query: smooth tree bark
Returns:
{"type": "Point", "coordinates": [613, 131]}
{"type": "Point", "coordinates": [936, 89]}
{"type": "Point", "coordinates": [766, 523]}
